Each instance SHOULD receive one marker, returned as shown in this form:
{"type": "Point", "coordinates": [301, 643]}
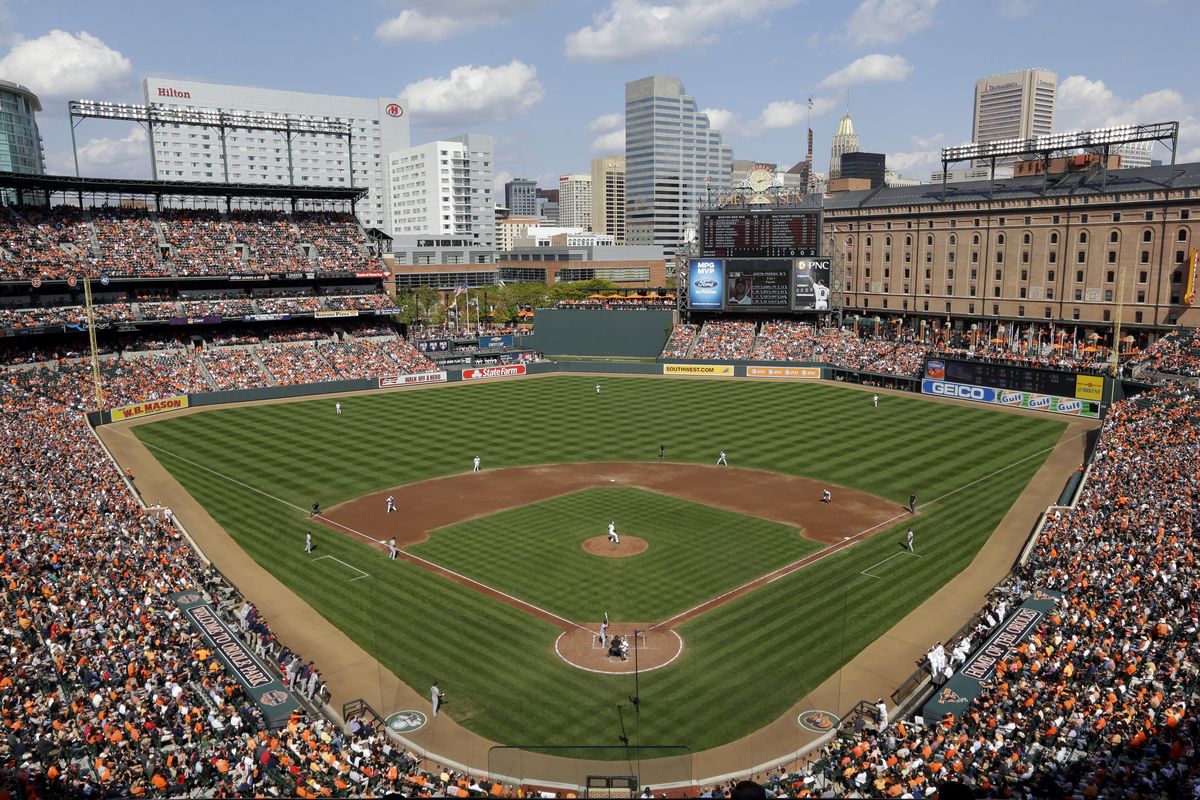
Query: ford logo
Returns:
{"type": "Point", "coordinates": [706, 284]}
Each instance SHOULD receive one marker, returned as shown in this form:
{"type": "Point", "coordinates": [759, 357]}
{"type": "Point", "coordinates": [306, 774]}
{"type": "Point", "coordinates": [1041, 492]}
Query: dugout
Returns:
{"type": "Point", "coordinates": [597, 332]}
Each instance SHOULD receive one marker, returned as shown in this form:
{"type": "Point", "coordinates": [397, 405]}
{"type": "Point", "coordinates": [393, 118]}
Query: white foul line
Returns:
{"type": "Point", "coordinates": [361, 574]}
{"type": "Point", "coordinates": [867, 571]}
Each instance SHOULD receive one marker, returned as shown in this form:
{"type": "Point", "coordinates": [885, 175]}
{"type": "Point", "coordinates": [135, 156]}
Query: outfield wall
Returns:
{"type": "Point", "coordinates": [587, 332]}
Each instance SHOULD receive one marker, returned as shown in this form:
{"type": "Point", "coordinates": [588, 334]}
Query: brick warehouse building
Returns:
{"type": "Point", "coordinates": [1031, 248]}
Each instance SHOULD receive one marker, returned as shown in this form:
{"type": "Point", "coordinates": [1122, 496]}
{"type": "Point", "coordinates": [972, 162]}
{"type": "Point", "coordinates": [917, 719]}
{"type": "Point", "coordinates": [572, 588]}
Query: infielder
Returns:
{"type": "Point", "coordinates": [909, 542]}
{"type": "Point", "coordinates": [337, 407]}
{"type": "Point", "coordinates": [721, 459]}
{"type": "Point", "coordinates": [392, 548]}
{"type": "Point", "coordinates": [875, 400]}
{"type": "Point", "coordinates": [912, 504]}
{"type": "Point", "coordinates": [476, 467]}
{"type": "Point", "coordinates": [826, 496]}
{"type": "Point", "coordinates": [391, 504]}
{"type": "Point", "coordinates": [612, 533]}
{"type": "Point", "coordinates": [308, 542]}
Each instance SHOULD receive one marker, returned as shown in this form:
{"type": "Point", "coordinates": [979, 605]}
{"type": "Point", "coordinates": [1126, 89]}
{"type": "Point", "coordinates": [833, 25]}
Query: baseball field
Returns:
{"type": "Point", "coordinates": [766, 590]}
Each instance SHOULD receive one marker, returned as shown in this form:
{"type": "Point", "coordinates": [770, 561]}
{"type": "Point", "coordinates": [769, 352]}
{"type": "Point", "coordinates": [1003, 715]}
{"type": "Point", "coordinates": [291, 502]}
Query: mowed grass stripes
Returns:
{"type": "Point", "coordinates": [744, 664]}
{"type": "Point", "coordinates": [695, 553]}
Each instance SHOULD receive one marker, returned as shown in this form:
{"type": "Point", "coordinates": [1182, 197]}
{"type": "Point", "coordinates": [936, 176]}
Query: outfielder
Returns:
{"type": "Point", "coordinates": [721, 459]}
{"type": "Point", "coordinates": [875, 400]}
{"type": "Point", "coordinates": [337, 407]}
{"type": "Point", "coordinates": [612, 533]}
{"type": "Point", "coordinates": [308, 541]}
{"type": "Point", "coordinates": [476, 467]}
{"type": "Point", "coordinates": [597, 390]}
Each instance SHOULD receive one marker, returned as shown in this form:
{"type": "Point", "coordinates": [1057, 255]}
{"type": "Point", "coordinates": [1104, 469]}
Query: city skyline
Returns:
{"type": "Point", "coordinates": [546, 78]}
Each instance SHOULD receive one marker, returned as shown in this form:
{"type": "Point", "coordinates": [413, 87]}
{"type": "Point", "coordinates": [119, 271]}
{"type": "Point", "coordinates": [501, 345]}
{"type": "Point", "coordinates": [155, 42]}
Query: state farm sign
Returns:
{"type": "Point", "coordinates": [493, 372]}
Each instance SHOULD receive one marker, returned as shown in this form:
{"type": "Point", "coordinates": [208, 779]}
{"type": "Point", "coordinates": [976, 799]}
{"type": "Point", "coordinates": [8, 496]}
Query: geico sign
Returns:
{"type": "Point", "coordinates": [961, 391]}
{"type": "Point", "coordinates": [493, 372]}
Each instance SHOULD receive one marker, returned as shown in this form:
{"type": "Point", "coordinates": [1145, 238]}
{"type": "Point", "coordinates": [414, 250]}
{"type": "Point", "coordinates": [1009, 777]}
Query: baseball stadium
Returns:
{"type": "Point", "coordinates": [274, 526]}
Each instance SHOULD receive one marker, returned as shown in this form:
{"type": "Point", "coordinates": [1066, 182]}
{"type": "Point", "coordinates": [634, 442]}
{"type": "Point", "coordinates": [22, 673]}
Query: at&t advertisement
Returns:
{"type": "Point", "coordinates": [706, 279]}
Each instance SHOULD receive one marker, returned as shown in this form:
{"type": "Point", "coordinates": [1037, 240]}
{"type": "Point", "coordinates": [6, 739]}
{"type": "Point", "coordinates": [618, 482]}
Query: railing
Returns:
{"type": "Point", "coordinates": [362, 709]}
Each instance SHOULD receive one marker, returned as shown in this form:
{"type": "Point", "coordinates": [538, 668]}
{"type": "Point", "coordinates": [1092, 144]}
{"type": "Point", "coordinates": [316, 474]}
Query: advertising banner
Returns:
{"type": "Point", "coordinates": [385, 312]}
{"type": "Point", "coordinates": [249, 277]}
{"type": "Point", "coordinates": [151, 407]}
{"type": "Point", "coordinates": [265, 317]}
{"type": "Point", "coordinates": [495, 342]}
{"type": "Point", "coordinates": [697, 369]}
{"type": "Point", "coordinates": [378, 273]}
{"type": "Point", "coordinates": [967, 683]}
{"type": "Point", "coordinates": [433, 346]}
{"type": "Point", "coordinates": [1012, 399]}
{"type": "Point", "coordinates": [706, 282]}
{"type": "Point", "coordinates": [812, 282]}
{"type": "Point", "coordinates": [408, 380]}
{"type": "Point", "coordinates": [194, 321]}
{"type": "Point", "coordinates": [757, 284]}
{"type": "Point", "coordinates": [334, 314]}
{"type": "Point", "coordinates": [1089, 387]}
{"type": "Point", "coordinates": [268, 692]}
{"type": "Point", "coordinates": [783, 372]}
{"type": "Point", "coordinates": [1189, 294]}
{"type": "Point", "coordinates": [493, 372]}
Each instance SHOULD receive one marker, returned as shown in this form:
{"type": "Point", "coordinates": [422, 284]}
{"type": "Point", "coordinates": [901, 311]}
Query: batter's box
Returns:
{"type": "Point", "coordinates": [361, 574]}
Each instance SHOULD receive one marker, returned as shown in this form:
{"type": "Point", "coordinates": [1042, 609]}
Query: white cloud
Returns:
{"type": "Point", "coordinates": [721, 119]}
{"type": "Point", "coordinates": [498, 180]}
{"type": "Point", "coordinates": [607, 122]}
{"type": "Point", "coordinates": [887, 21]}
{"type": "Point", "coordinates": [611, 142]}
{"type": "Point", "coordinates": [62, 64]}
{"type": "Point", "coordinates": [629, 30]}
{"type": "Point", "coordinates": [471, 94]}
{"type": "Point", "coordinates": [927, 142]}
{"type": "Point", "coordinates": [874, 68]}
{"type": "Point", "coordinates": [1083, 103]}
{"type": "Point", "coordinates": [1016, 9]}
{"type": "Point", "coordinates": [126, 157]}
{"type": "Point", "coordinates": [438, 20]}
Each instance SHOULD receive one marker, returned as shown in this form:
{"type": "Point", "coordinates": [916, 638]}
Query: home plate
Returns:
{"type": "Point", "coordinates": [612, 480]}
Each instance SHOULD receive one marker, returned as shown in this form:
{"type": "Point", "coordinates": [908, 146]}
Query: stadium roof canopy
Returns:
{"type": "Point", "coordinates": [58, 184]}
{"type": "Point", "coordinates": [1064, 185]}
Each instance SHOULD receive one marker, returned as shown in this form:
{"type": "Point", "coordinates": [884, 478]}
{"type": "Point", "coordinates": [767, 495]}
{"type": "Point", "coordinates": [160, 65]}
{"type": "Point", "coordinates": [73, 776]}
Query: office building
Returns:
{"type": "Point", "coordinates": [444, 188]}
{"type": "Point", "coordinates": [673, 158]}
{"type": "Point", "coordinates": [870, 166]}
{"type": "Point", "coordinates": [575, 201]}
{"type": "Point", "coordinates": [193, 153]}
{"type": "Point", "coordinates": [1135, 154]}
{"type": "Point", "coordinates": [630, 267]}
{"type": "Point", "coordinates": [844, 141]}
{"type": "Point", "coordinates": [20, 142]}
{"type": "Point", "coordinates": [547, 205]}
{"type": "Point", "coordinates": [963, 174]}
{"type": "Point", "coordinates": [520, 196]}
{"type": "Point", "coordinates": [1014, 105]}
{"type": "Point", "coordinates": [608, 197]}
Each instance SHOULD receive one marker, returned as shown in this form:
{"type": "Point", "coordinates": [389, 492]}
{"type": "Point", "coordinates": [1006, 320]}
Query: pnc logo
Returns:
{"type": "Point", "coordinates": [394, 110]}
{"type": "Point", "coordinates": [166, 91]}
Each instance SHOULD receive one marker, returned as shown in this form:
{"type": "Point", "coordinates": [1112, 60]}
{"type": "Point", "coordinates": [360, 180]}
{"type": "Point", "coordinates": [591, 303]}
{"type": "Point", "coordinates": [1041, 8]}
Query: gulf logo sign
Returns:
{"type": "Point", "coordinates": [1040, 401]}
{"type": "Point", "coordinates": [935, 370]}
{"type": "Point", "coordinates": [1012, 398]}
{"type": "Point", "coordinates": [1070, 406]}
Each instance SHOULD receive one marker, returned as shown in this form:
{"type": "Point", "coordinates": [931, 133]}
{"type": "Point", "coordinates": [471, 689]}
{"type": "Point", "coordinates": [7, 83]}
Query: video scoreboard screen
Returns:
{"type": "Point", "coordinates": [757, 284]}
{"type": "Point", "coordinates": [769, 233]}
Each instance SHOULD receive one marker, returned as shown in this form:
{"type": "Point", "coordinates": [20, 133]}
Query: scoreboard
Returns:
{"type": "Point", "coordinates": [766, 233]}
{"type": "Point", "coordinates": [1009, 376]}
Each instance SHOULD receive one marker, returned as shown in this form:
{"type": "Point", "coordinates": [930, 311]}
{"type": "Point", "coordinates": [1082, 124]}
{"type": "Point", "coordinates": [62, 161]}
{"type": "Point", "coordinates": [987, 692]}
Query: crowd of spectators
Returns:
{"type": "Point", "coordinates": [201, 242]}
{"type": "Point", "coordinates": [407, 358]}
{"type": "Point", "coordinates": [233, 368]}
{"type": "Point", "coordinates": [680, 340]}
{"type": "Point", "coordinates": [360, 302]}
{"type": "Point", "coordinates": [270, 240]}
{"type": "Point", "coordinates": [724, 338]}
{"type": "Point", "coordinates": [128, 243]}
{"type": "Point", "coordinates": [29, 250]}
{"type": "Point", "coordinates": [295, 363]}
{"type": "Point", "coordinates": [1177, 353]}
{"type": "Point", "coordinates": [357, 359]}
{"type": "Point", "coordinates": [630, 303]}
{"type": "Point", "coordinates": [226, 307]}
{"type": "Point", "coordinates": [337, 240]}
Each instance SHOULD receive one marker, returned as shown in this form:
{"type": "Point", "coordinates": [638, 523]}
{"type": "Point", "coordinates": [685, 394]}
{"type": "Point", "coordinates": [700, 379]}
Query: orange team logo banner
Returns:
{"type": "Point", "coordinates": [1193, 264]}
{"type": "Point", "coordinates": [152, 407]}
{"type": "Point", "coordinates": [697, 369]}
{"type": "Point", "coordinates": [783, 372]}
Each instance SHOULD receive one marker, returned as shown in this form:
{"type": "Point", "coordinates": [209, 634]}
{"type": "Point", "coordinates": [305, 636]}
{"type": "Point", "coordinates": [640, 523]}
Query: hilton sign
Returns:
{"type": "Point", "coordinates": [168, 92]}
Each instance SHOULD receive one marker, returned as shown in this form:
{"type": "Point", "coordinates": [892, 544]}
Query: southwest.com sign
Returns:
{"type": "Point", "coordinates": [697, 369]}
{"type": "Point", "coordinates": [1013, 399]}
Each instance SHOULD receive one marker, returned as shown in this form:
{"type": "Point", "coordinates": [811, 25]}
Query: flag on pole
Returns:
{"type": "Point", "coordinates": [810, 104]}
{"type": "Point", "coordinates": [462, 289]}
{"type": "Point", "coordinates": [500, 282]}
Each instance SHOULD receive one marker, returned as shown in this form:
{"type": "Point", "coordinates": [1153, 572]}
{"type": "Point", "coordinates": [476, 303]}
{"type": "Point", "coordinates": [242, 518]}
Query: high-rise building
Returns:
{"type": "Point", "coordinates": [444, 188]}
{"type": "Point", "coordinates": [864, 165]}
{"type": "Point", "coordinates": [608, 197]}
{"type": "Point", "coordinates": [20, 142]}
{"type": "Point", "coordinates": [378, 126]}
{"type": "Point", "coordinates": [547, 205]}
{"type": "Point", "coordinates": [520, 196]}
{"type": "Point", "coordinates": [1134, 154]}
{"type": "Point", "coordinates": [575, 201]}
{"type": "Point", "coordinates": [673, 159]}
{"type": "Point", "coordinates": [1015, 105]}
{"type": "Point", "coordinates": [844, 141]}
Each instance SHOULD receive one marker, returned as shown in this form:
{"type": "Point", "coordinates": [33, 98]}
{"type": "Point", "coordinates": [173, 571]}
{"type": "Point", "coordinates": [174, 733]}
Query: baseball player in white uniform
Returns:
{"type": "Point", "coordinates": [612, 533]}
{"type": "Point", "coordinates": [597, 390]}
{"type": "Point", "coordinates": [308, 542]}
{"type": "Point", "coordinates": [391, 504]}
{"type": "Point", "coordinates": [721, 459]}
{"type": "Point", "coordinates": [875, 400]}
{"type": "Point", "coordinates": [392, 548]}
{"type": "Point", "coordinates": [476, 467]}
{"type": "Point", "coordinates": [909, 542]}
{"type": "Point", "coordinates": [337, 407]}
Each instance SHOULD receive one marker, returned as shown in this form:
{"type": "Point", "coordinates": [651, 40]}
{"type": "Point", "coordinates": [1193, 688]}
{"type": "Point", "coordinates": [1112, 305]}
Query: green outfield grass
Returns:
{"type": "Point", "coordinates": [744, 663]}
{"type": "Point", "coordinates": [695, 552]}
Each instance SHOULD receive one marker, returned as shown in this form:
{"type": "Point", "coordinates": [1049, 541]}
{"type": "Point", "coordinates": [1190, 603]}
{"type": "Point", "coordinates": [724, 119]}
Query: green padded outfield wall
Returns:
{"type": "Point", "coordinates": [570, 332]}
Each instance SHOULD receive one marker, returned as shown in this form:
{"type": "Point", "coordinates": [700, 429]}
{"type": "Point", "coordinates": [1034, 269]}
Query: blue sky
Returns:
{"type": "Point", "coordinates": [546, 77]}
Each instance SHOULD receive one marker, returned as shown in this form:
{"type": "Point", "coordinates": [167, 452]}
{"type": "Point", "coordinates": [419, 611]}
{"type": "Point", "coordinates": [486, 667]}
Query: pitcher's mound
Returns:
{"type": "Point", "coordinates": [628, 546]}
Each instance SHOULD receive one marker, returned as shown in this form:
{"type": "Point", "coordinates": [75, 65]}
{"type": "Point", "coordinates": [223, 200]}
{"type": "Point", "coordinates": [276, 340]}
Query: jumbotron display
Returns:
{"type": "Point", "coordinates": [769, 233]}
